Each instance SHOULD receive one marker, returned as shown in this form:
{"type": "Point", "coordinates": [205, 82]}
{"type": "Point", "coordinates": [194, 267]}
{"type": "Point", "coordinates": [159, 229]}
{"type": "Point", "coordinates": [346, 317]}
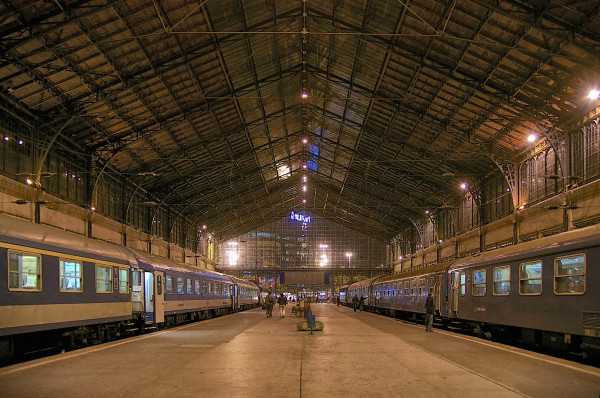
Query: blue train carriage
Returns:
{"type": "Point", "coordinates": [166, 292]}
{"type": "Point", "coordinates": [59, 288]}
{"type": "Point", "coordinates": [343, 294]}
{"type": "Point", "coordinates": [362, 288]}
{"type": "Point", "coordinates": [245, 294]}
{"type": "Point", "coordinates": [406, 292]}
{"type": "Point", "coordinates": [546, 290]}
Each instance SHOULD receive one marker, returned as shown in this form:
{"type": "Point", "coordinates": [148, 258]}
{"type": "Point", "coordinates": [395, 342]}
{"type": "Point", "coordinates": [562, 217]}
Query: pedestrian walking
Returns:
{"type": "Point", "coordinates": [354, 302]}
{"type": "Point", "coordinates": [361, 303]}
{"type": "Point", "coordinates": [282, 301]}
{"type": "Point", "coordinates": [269, 303]}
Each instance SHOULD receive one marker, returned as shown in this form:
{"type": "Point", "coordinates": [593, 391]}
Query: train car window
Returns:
{"type": "Point", "coordinates": [188, 284]}
{"type": "Point", "coordinates": [136, 278]}
{"type": "Point", "coordinates": [479, 283]}
{"type": "Point", "coordinates": [220, 288]}
{"type": "Point", "coordinates": [104, 279]}
{"type": "Point", "coordinates": [179, 285]}
{"type": "Point", "coordinates": [422, 286]}
{"type": "Point", "coordinates": [159, 284]}
{"type": "Point", "coordinates": [463, 284]}
{"type": "Point", "coordinates": [123, 281]}
{"type": "Point", "coordinates": [431, 285]}
{"type": "Point", "coordinates": [530, 278]}
{"type": "Point", "coordinates": [197, 287]}
{"type": "Point", "coordinates": [569, 275]}
{"type": "Point", "coordinates": [70, 275]}
{"type": "Point", "coordinates": [204, 288]}
{"type": "Point", "coordinates": [399, 288]}
{"type": "Point", "coordinates": [407, 288]}
{"type": "Point", "coordinates": [169, 285]}
{"type": "Point", "coordinates": [413, 287]}
{"type": "Point", "coordinates": [24, 272]}
{"type": "Point", "coordinates": [501, 281]}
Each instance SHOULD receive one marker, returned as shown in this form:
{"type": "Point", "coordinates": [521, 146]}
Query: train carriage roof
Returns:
{"type": "Point", "coordinates": [417, 272]}
{"type": "Point", "coordinates": [22, 232]}
{"type": "Point", "coordinates": [363, 283]}
{"type": "Point", "coordinates": [574, 239]}
{"type": "Point", "coordinates": [151, 262]}
{"type": "Point", "coordinates": [243, 282]}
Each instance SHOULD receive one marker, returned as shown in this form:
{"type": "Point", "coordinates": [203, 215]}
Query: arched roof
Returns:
{"type": "Point", "coordinates": [199, 102]}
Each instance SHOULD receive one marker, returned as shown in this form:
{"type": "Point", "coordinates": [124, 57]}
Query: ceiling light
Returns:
{"type": "Point", "coordinates": [203, 226]}
{"type": "Point", "coordinates": [304, 95]}
{"type": "Point", "coordinates": [593, 94]}
{"type": "Point", "coordinates": [303, 166]}
{"type": "Point", "coordinates": [304, 188]}
{"type": "Point", "coordinates": [303, 200]}
{"type": "Point", "coordinates": [28, 181]}
{"type": "Point", "coordinates": [304, 140]}
{"type": "Point", "coordinates": [531, 138]}
{"type": "Point", "coordinates": [463, 185]}
{"type": "Point", "coordinates": [6, 138]}
{"type": "Point", "coordinates": [304, 178]}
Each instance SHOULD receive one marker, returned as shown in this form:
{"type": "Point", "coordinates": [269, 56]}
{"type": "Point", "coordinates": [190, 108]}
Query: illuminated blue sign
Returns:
{"type": "Point", "coordinates": [300, 217]}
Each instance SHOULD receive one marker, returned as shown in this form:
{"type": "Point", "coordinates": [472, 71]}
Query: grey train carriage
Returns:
{"type": "Point", "coordinates": [542, 292]}
{"type": "Point", "coordinates": [62, 290]}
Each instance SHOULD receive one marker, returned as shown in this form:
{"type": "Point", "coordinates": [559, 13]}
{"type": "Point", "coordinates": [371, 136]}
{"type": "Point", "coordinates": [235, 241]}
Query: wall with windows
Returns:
{"type": "Point", "coordinates": [555, 192]}
{"type": "Point", "coordinates": [70, 184]}
{"type": "Point", "coordinates": [289, 243]}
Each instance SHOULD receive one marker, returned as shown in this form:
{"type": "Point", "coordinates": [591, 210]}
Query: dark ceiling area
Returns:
{"type": "Point", "coordinates": [201, 103]}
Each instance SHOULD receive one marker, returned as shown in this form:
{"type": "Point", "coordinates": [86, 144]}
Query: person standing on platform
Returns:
{"type": "Point", "coordinates": [282, 301]}
{"type": "Point", "coordinates": [354, 302]}
{"type": "Point", "coordinates": [361, 303]}
{"type": "Point", "coordinates": [338, 300]}
{"type": "Point", "coordinates": [269, 303]}
{"type": "Point", "coordinates": [429, 311]}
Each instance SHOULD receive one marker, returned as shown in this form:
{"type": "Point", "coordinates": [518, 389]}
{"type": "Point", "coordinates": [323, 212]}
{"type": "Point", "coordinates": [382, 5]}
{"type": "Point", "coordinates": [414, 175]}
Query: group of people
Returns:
{"type": "Point", "coordinates": [270, 302]}
{"type": "Point", "coordinates": [357, 303]}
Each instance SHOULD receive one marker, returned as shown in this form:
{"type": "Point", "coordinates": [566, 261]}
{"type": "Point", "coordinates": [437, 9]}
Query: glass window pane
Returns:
{"type": "Point", "coordinates": [103, 279]}
{"type": "Point", "coordinates": [502, 280]}
{"type": "Point", "coordinates": [169, 285]}
{"type": "Point", "coordinates": [123, 281]}
{"type": "Point", "coordinates": [24, 271]}
{"type": "Point", "coordinates": [70, 276]}
{"type": "Point", "coordinates": [530, 278]}
{"type": "Point", "coordinates": [569, 275]}
{"type": "Point", "coordinates": [529, 271]}
{"type": "Point", "coordinates": [179, 285]}
{"type": "Point", "coordinates": [479, 283]}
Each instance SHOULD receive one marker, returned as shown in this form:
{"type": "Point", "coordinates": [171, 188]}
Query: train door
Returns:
{"type": "Point", "coordinates": [455, 292]}
{"type": "Point", "coordinates": [159, 299]}
{"type": "Point", "coordinates": [236, 291]}
{"type": "Point", "coordinates": [438, 292]}
{"type": "Point", "coordinates": [149, 297]}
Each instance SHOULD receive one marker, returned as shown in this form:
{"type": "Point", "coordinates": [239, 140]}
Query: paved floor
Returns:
{"type": "Point", "coordinates": [247, 355]}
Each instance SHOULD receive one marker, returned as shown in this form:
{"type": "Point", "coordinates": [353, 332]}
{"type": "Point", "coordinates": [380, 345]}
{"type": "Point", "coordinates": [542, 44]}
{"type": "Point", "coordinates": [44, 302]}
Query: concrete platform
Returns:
{"type": "Point", "coordinates": [247, 355]}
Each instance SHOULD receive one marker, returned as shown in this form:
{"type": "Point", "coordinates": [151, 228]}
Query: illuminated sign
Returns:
{"type": "Point", "coordinates": [300, 217]}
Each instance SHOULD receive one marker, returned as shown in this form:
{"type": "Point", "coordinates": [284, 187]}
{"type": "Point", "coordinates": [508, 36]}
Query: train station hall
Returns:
{"type": "Point", "coordinates": [300, 198]}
